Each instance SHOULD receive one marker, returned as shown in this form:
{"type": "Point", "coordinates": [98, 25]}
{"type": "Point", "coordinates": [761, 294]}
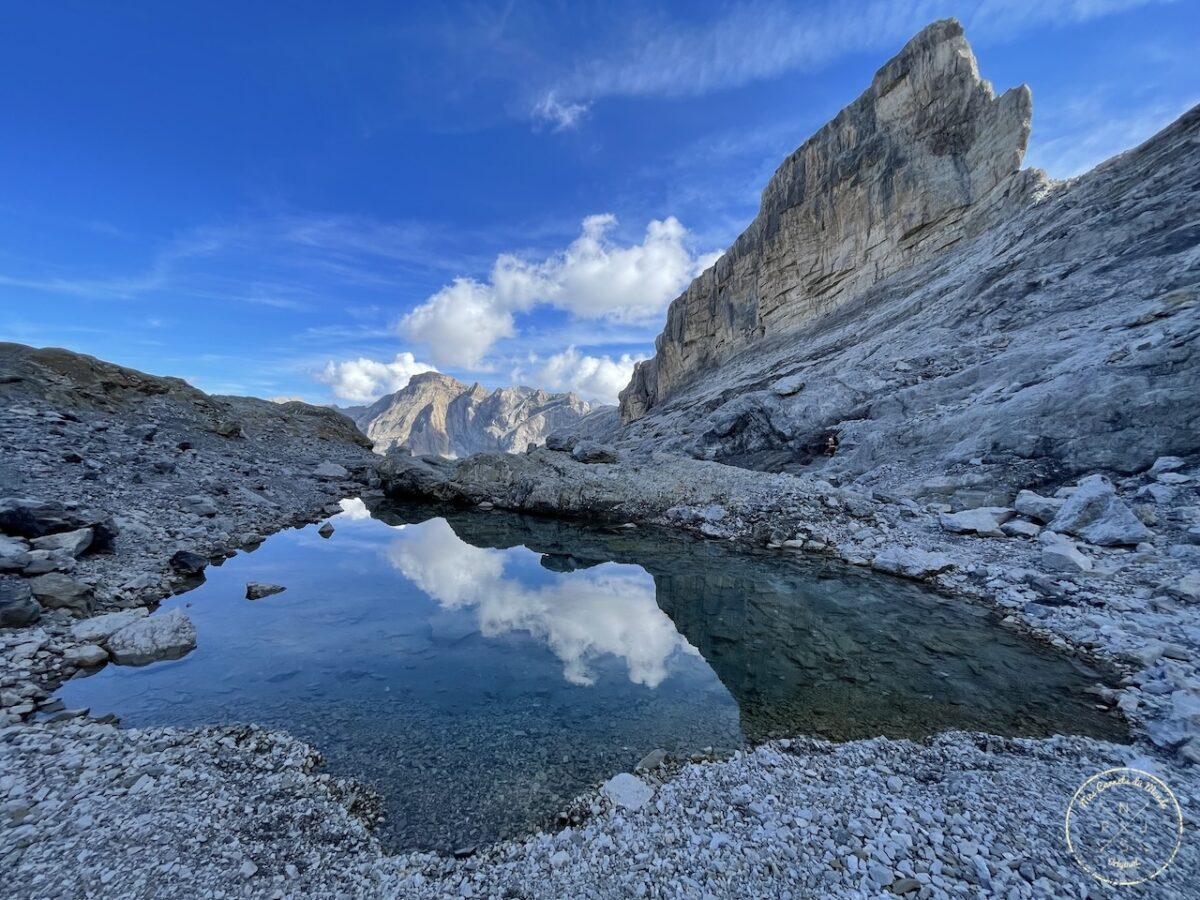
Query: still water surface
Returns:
{"type": "Point", "coordinates": [480, 669]}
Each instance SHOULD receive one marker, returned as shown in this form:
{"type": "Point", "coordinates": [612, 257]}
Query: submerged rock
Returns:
{"type": "Point", "coordinates": [256, 590]}
{"type": "Point", "coordinates": [326, 530]}
{"type": "Point", "coordinates": [169, 635]}
{"type": "Point", "coordinates": [1097, 515]}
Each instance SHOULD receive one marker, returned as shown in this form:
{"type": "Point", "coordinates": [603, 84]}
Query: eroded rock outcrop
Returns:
{"type": "Point", "coordinates": [440, 415]}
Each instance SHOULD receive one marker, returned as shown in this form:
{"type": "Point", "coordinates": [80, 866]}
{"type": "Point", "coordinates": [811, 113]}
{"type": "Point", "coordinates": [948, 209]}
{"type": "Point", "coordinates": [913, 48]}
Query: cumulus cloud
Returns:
{"type": "Point", "coordinates": [363, 380]}
{"type": "Point", "coordinates": [593, 278]}
{"type": "Point", "coordinates": [598, 378]}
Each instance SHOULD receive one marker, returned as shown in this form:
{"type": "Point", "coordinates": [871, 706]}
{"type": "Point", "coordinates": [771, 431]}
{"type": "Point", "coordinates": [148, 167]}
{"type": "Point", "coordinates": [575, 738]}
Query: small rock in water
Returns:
{"type": "Point", "coordinates": [326, 530]}
{"type": "Point", "coordinates": [256, 590]}
{"type": "Point", "coordinates": [652, 760]}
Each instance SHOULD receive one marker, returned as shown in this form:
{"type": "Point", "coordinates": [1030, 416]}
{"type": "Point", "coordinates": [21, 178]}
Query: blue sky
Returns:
{"type": "Point", "coordinates": [316, 200]}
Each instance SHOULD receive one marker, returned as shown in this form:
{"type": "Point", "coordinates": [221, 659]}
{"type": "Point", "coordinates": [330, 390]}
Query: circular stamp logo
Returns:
{"type": "Point", "coordinates": [1124, 826]}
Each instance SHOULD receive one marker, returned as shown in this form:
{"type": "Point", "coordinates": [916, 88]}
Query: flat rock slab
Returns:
{"type": "Point", "coordinates": [97, 629]}
{"type": "Point", "coordinates": [986, 521]}
{"type": "Point", "coordinates": [331, 470]}
{"type": "Point", "coordinates": [627, 791]}
{"type": "Point", "coordinates": [166, 636]}
{"type": "Point", "coordinates": [910, 563]}
{"type": "Point", "coordinates": [73, 542]}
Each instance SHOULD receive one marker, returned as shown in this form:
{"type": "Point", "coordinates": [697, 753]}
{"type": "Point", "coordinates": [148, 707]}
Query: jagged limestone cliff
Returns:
{"type": "Point", "coordinates": [922, 159]}
{"type": "Point", "coordinates": [909, 305]}
{"type": "Point", "coordinates": [439, 415]}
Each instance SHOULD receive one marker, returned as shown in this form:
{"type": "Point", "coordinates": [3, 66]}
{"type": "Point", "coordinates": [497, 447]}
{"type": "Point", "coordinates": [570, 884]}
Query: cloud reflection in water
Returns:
{"type": "Point", "coordinates": [609, 609]}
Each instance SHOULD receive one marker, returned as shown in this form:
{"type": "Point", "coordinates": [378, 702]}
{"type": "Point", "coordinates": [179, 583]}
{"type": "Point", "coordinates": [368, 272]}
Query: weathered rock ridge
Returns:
{"type": "Point", "coordinates": [439, 415]}
{"type": "Point", "coordinates": [910, 308]}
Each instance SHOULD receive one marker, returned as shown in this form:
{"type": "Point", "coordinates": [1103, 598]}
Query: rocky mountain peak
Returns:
{"type": "Point", "coordinates": [436, 414]}
{"type": "Point", "coordinates": [926, 156]}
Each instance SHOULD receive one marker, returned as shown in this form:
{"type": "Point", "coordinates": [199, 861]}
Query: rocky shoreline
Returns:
{"type": "Point", "coordinates": [255, 817]}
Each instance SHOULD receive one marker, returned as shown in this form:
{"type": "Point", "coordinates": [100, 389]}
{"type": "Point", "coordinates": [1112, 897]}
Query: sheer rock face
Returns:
{"type": "Point", "coordinates": [886, 323]}
{"type": "Point", "coordinates": [438, 415]}
{"type": "Point", "coordinates": [924, 158]}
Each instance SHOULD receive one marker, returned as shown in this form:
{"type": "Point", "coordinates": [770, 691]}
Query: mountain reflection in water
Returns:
{"type": "Point", "coordinates": [480, 669]}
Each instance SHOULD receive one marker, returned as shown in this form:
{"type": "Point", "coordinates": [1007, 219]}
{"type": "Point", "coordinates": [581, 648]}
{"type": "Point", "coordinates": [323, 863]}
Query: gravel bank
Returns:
{"type": "Point", "coordinates": [93, 811]}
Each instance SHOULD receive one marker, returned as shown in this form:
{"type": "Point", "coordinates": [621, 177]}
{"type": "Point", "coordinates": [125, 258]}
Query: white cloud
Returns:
{"type": "Point", "coordinates": [593, 278]}
{"type": "Point", "coordinates": [364, 380]}
{"type": "Point", "coordinates": [598, 378]}
{"type": "Point", "coordinates": [560, 116]}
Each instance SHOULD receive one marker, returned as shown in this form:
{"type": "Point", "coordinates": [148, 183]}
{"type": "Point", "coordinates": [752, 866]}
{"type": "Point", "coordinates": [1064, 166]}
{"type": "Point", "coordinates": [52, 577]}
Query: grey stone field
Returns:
{"type": "Point", "coordinates": [920, 359]}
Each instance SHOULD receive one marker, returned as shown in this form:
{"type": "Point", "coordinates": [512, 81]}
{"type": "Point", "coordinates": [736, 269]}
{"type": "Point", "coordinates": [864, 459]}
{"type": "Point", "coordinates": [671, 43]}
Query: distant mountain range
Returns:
{"type": "Point", "coordinates": [440, 415]}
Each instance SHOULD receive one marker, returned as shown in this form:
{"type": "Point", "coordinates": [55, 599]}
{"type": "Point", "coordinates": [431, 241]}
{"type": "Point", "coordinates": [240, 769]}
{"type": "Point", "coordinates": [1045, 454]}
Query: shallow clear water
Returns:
{"type": "Point", "coordinates": [482, 669]}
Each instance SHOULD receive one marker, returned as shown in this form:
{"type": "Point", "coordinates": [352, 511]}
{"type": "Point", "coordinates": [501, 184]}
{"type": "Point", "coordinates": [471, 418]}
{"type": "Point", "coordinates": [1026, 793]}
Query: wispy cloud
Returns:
{"type": "Point", "coordinates": [560, 116]}
{"type": "Point", "coordinates": [767, 39]}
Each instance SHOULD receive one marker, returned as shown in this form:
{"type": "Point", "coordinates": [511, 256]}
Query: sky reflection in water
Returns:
{"type": "Point", "coordinates": [479, 685]}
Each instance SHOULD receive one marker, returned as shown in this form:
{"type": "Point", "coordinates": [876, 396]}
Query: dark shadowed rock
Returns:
{"type": "Point", "coordinates": [17, 606]}
{"type": "Point", "coordinates": [185, 562]}
{"type": "Point", "coordinates": [590, 452]}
